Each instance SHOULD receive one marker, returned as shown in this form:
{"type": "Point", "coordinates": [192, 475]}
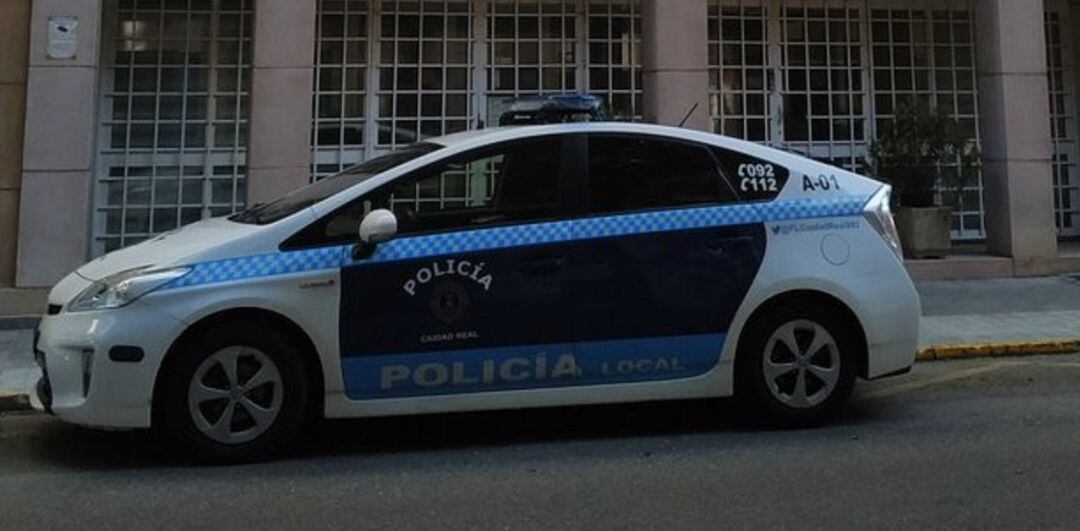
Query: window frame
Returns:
{"type": "Point", "coordinates": [312, 236]}
{"type": "Point", "coordinates": [585, 207]}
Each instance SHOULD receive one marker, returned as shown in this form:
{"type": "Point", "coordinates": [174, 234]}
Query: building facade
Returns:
{"type": "Point", "coordinates": [122, 119]}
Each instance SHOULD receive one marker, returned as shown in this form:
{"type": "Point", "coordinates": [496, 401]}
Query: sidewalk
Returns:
{"type": "Point", "coordinates": [999, 311]}
{"type": "Point", "coordinates": [17, 369]}
{"type": "Point", "coordinates": [962, 312]}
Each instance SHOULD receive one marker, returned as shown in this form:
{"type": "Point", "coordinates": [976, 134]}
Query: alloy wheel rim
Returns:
{"type": "Point", "coordinates": [235, 395]}
{"type": "Point", "coordinates": [801, 364]}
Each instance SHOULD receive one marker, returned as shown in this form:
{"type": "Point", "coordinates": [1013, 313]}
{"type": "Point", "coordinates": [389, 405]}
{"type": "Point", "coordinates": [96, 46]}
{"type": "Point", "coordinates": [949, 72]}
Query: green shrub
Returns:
{"type": "Point", "coordinates": [920, 150]}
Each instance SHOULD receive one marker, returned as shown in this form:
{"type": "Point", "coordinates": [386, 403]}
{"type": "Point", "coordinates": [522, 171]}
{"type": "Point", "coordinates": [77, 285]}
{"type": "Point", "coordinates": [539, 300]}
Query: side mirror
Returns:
{"type": "Point", "coordinates": [378, 226]}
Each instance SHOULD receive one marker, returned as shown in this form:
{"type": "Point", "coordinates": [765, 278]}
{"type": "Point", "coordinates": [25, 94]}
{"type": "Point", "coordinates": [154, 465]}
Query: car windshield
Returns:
{"type": "Point", "coordinates": [264, 213]}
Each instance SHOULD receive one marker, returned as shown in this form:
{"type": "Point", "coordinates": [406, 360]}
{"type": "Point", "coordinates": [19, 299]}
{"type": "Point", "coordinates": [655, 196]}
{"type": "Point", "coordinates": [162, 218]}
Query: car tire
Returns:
{"type": "Point", "coordinates": [796, 367]}
{"type": "Point", "coordinates": [234, 394]}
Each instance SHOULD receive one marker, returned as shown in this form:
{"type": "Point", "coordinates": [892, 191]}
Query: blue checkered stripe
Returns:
{"type": "Point", "coordinates": [262, 265]}
{"type": "Point", "coordinates": [273, 264]}
{"type": "Point", "coordinates": [721, 216]}
{"type": "Point", "coordinates": [812, 207]}
{"type": "Point", "coordinates": [472, 241]}
{"type": "Point", "coordinates": [611, 226]}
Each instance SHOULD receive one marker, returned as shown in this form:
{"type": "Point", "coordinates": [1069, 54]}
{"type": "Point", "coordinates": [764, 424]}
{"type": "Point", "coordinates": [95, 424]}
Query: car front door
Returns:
{"type": "Point", "coordinates": [663, 259]}
{"type": "Point", "coordinates": [471, 294]}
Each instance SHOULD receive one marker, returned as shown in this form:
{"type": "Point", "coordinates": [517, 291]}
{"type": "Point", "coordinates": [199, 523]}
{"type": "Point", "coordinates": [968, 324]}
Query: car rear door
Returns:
{"type": "Point", "coordinates": [663, 259]}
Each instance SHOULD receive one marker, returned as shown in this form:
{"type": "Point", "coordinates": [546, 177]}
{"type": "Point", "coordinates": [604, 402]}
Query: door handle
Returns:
{"type": "Point", "coordinates": [544, 265]}
{"type": "Point", "coordinates": [722, 246]}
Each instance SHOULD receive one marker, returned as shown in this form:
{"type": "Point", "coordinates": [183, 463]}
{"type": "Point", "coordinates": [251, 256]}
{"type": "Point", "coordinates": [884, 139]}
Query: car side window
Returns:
{"type": "Point", "coordinates": [753, 179]}
{"type": "Point", "coordinates": [628, 173]}
{"type": "Point", "coordinates": [516, 182]}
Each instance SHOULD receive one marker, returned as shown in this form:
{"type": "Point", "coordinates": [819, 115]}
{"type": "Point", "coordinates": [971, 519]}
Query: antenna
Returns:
{"type": "Point", "coordinates": [689, 114]}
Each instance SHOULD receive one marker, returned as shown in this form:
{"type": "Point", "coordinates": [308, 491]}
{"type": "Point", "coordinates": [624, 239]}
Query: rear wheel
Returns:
{"type": "Point", "coordinates": [234, 394]}
{"type": "Point", "coordinates": [797, 367]}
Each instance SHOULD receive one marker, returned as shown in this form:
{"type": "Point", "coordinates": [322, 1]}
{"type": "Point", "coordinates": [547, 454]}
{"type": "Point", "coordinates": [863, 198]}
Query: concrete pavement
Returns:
{"type": "Point", "coordinates": [967, 312]}
{"type": "Point", "coordinates": [17, 369]}
{"type": "Point", "coordinates": [975, 444]}
{"type": "Point", "coordinates": [1000, 310]}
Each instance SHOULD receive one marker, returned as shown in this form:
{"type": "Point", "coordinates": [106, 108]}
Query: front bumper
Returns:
{"type": "Point", "coordinates": [83, 383]}
{"type": "Point", "coordinates": [41, 393]}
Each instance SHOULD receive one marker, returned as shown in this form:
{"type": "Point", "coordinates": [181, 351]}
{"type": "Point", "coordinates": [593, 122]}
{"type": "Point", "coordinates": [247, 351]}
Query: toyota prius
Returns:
{"type": "Point", "coordinates": [509, 268]}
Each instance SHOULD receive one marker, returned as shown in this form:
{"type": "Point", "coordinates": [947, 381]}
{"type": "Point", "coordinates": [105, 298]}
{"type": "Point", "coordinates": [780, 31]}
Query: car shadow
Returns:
{"type": "Point", "coordinates": [58, 444]}
{"type": "Point", "coordinates": [515, 427]}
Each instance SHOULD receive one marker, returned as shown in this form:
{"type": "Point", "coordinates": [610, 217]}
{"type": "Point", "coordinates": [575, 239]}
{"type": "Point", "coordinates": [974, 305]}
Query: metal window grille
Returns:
{"type": "Point", "coordinates": [823, 90]}
{"type": "Point", "coordinates": [820, 77]}
{"type": "Point", "coordinates": [389, 73]}
{"type": "Point", "coordinates": [928, 57]}
{"type": "Point", "coordinates": [533, 48]}
{"type": "Point", "coordinates": [614, 59]}
{"type": "Point", "coordinates": [792, 75]}
{"type": "Point", "coordinates": [425, 56]}
{"type": "Point", "coordinates": [341, 72]}
{"type": "Point", "coordinates": [173, 120]}
{"type": "Point", "coordinates": [1062, 120]}
{"type": "Point", "coordinates": [740, 73]}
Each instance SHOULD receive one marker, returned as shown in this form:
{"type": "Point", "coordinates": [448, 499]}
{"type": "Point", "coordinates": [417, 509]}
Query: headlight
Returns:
{"type": "Point", "coordinates": [123, 288]}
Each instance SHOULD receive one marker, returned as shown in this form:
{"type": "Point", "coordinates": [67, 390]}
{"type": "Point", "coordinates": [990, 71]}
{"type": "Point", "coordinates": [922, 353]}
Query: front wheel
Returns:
{"type": "Point", "coordinates": [797, 367]}
{"type": "Point", "coordinates": [235, 394]}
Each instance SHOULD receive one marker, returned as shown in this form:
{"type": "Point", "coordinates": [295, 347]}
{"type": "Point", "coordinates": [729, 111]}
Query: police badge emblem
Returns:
{"type": "Point", "coordinates": [449, 301]}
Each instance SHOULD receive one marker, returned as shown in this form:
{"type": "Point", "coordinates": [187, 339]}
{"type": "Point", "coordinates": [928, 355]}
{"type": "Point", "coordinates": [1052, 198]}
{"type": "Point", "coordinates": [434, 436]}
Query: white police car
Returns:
{"type": "Point", "coordinates": [509, 268]}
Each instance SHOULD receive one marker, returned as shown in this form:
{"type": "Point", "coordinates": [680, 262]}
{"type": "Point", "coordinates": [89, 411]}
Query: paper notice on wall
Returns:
{"type": "Point", "coordinates": [62, 37]}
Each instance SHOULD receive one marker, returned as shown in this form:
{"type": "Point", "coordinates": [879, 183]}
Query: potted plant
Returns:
{"type": "Point", "coordinates": [926, 156]}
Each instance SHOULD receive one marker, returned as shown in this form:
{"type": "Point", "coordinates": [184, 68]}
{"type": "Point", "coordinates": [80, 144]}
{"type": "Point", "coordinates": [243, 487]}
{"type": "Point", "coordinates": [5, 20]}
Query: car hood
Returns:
{"type": "Point", "coordinates": [179, 247]}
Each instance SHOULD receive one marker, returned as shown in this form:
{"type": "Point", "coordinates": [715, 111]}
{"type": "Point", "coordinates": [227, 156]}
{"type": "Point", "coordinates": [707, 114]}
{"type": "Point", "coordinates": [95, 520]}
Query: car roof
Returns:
{"type": "Point", "coordinates": [482, 137]}
{"type": "Point", "coordinates": [494, 134]}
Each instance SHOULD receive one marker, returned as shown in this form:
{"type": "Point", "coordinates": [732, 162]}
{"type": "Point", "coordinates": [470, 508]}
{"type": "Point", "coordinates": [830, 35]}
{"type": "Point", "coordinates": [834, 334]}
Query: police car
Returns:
{"type": "Point", "coordinates": [510, 268]}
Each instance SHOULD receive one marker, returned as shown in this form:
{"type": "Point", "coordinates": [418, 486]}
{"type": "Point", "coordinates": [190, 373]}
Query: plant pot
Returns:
{"type": "Point", "coordinates": [925, 231]}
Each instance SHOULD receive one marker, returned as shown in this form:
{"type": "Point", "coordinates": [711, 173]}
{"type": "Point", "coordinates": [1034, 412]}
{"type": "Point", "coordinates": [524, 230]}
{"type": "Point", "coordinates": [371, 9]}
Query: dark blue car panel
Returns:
{"type": "Point", "coordinates": [463, 301]}
{"type": "Point", "coordinates": [644, 285]}
{"type": "Point", "coordinates": [609, 292]}
{"type": "Point", "coordinates": [628, 300]}
{"type": "Point", "coordinates": [663, 284]}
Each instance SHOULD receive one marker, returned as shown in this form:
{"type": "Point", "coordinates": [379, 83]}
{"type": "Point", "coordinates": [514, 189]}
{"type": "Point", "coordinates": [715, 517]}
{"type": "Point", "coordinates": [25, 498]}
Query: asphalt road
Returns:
{"type": "Point", "coordinates": [976, 444]}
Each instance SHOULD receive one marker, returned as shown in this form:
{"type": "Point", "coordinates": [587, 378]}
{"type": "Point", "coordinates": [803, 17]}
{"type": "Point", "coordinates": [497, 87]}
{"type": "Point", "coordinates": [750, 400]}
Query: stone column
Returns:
{"type": "Point", "coordinates": [58, 155]}
{"type": "Point", "coordinates": [282, 78]}
{"type": "Point", "coordinates": [676, 62]}
{"type": "Point", "coordinates": [1015, 129]}
{"type": "Point", "coordinates": [14, 48]}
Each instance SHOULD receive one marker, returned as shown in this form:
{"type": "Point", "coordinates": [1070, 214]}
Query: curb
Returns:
{"type": "Point", "coordinates": [14, 402]}
{"type": "Point", "coordinates": [989, 350]}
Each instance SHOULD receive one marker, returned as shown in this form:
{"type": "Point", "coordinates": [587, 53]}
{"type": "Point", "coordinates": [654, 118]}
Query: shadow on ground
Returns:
{"type": "Point", "coordinates": [57, 444]}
